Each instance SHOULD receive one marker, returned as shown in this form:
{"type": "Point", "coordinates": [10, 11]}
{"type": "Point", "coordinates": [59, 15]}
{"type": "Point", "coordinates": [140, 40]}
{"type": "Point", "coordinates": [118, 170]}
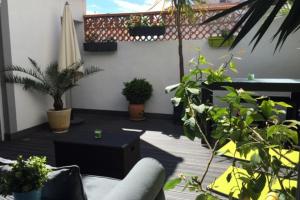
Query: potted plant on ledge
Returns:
{"type": "Point", "coordinates": [101, 46]}
{"type": "Point", "coordinates": [53, 82]}
{"type": "Point", "coordinates": [219, 41]}
{"type": "Point", "coordinates": [141, 26]}
{"type": "Point", "coordinates": [25, 179]}
{"type": "Point", "coordinates": [137, 92]}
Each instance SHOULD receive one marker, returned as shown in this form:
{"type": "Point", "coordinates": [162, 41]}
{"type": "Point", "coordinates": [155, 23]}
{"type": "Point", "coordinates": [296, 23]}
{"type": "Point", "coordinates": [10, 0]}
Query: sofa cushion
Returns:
{"type": "Point", "coordinates": [144, 182]}
{"type": "Point", "coordinates": [64, 182]}
{"type": "Point", "coordinates": [96, 187]}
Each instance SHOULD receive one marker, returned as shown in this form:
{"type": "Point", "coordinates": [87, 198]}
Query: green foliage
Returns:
{"type": "Point", "coordinates": [183, 6]}
{"type": "Point", "coordinates": [25, 176]}
{"type": "Point", "coordinates": [52, 81]}
{"type": "Point", "coordinates": [268, 11]}
{"type": "Point", "coordinates": [206, 196]}
{"type": "Point", "coordinates": [143, 21]}
{"type": "Point", "coordinates": [172, 184]}
{"type": "Point", "coordinates": [224, 33]}
{"type": "Point", "coordinates": [254, 124]}
{"type": "Point", "coordinates": [189, 92]}
{"type": "Point", "coordinates": [137, 91]}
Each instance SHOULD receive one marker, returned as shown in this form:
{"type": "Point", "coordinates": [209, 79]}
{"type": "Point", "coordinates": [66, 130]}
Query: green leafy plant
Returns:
{"type": "Point", "coordinates": [268, 11]}
{"type": "Point", "coordinates": [254, 127]}
{"type": "Point", "coordinates": [224, 33]}
{"type": "Point", "coordinates": [137, 91]}
{"type": "Point", "coordinates": [143, 21]}
{"type": "Point", "coordinates": [24, 176]}
{"type": "Point", "coordinates": [52, 81]}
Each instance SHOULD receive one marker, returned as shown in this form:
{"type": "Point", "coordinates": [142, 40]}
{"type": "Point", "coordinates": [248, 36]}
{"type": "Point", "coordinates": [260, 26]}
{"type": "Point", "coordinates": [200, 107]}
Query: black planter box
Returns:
{"type": "Point", "coordinates": [100, 46]}
{"type": "Point", "coordinates": [147, 31]}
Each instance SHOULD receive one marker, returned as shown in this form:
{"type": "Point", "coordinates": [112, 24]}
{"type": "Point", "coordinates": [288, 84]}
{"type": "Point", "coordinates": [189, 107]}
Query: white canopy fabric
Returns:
{"type": "Point", "coordinates": [69, 52]}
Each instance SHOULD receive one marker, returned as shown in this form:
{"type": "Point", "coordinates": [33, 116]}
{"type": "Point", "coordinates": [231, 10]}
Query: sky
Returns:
{"type": "Point", "coordinates": [121, 6]}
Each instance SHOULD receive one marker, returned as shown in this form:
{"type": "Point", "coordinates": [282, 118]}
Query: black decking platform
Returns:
{"type": "Point", "coordinates": [160, 139]}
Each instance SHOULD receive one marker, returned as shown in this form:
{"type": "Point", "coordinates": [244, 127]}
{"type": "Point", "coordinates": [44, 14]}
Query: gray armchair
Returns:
{"type": "Point", "coordinates": [144, 182]}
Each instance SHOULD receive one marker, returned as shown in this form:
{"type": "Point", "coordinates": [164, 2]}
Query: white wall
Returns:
{"type": "Point", "coordinates": [1, 118]}
{"type": "Point", "coordinates": [34, 32]}
{"type": "Point", "coordinates": [158, 63]}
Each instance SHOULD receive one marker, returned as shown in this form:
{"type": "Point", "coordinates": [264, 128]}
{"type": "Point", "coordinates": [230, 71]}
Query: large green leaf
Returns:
{"type": "Point", "coordinates": [206, 196]}
{"type": "Point", "coordinates": [171, 88]}
{"type": "Point", "coordinates": [189, 133]}
{"type": "Point", "coordinates": [172, 183]}
{"type": "Point", "coordinates": [257, 10]}
{"type": "Point", "coordinates": [200, 109]}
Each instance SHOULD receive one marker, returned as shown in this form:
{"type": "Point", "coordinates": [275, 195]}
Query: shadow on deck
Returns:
{"type": "Point", "coordinates": [160, 139]}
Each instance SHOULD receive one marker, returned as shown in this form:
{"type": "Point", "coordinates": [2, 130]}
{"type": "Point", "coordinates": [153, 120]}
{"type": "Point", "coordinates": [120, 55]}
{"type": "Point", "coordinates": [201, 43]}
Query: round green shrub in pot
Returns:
{"type": "Point", "coordinates": [25, 179]}
{"type": "Point", "coordinates": [137, 92]}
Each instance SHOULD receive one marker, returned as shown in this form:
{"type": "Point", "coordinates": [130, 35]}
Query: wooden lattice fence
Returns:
{"type": "Point", "coordinates": [107, 26]}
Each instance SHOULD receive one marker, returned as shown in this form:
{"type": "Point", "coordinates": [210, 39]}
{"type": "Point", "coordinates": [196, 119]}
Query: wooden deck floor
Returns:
{"type": "Point", "coordinates": [160, 139]}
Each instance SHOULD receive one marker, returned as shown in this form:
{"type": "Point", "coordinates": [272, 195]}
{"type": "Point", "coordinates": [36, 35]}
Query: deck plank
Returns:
{"type": "Point", "coordinates": [160, 139]}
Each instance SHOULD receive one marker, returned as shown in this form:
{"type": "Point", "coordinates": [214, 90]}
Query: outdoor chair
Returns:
{"type": "Point", "coordinates": [144, 182]}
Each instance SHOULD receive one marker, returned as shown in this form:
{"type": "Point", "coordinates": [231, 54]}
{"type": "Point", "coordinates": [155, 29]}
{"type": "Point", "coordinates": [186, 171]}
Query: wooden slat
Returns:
{"type": "Point", "coordinates": [161, 140]}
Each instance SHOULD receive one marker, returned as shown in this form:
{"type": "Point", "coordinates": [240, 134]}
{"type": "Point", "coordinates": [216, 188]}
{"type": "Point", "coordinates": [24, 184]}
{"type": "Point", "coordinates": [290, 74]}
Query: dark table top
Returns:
{"type": "Point", "coordinates": [108, 139]}
{"type": "Point", "coordinates": [265, 84]}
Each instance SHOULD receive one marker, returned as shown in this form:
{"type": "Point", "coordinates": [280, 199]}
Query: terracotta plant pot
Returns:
{"type": "Point", "coordinates": [136, 112]}
{"type": "Point", "coordinates": [59, 121]}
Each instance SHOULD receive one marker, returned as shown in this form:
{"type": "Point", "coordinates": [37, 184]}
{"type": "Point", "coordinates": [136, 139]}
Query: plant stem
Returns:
{"type": "Point", "coordinates": [198, 126]}
{"type": "Point", "coordinates": [179, 35]}
{"type": "Point", "coordinates": [209, 163]}
{"type": "Point", "coordinates": [275, 150]}
{"type": "Point", "coordinates": [58, 103]}
{"type": "Point", "coordinates": [204, 137]}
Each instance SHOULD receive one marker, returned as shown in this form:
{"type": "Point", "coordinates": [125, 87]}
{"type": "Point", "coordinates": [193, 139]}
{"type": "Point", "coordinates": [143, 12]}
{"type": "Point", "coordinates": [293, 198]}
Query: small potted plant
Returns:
{"type": "Point", "coordinates": [54, 82]}
{"type": "Point", "coordinates": [137, 92]}
{"type": "Point", "coordinates": [141, 26]}
{"type": "Point", "coordinates": [105, 45]}
{"type": "Point", "coordinates": [25, 179]}
{"type": "Point", "coordinates": [218, 41]}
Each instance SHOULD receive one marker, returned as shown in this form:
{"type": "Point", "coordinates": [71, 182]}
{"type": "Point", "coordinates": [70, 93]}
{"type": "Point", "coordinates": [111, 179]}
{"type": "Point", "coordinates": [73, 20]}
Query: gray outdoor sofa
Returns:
{"type": "Point", "coordinates": [144, 182]}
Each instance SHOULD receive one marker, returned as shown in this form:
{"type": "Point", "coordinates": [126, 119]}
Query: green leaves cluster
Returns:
{"type": "Point", "coordinates": [256, 128]}
{"type": "Point", "coordinates": [24, 176]}
{"type": "Point", "coordinates": [52, 81]}
{"type": "Point", "coordinates": [143, 21]}
{"type": "Point", "coordinates": [137, 91]}
{"type": "Point", "coordinates": [189, 92]}
{"type": "Point", "coordinates": [254, 124]}
{"type": "Point", "coordinates": [255, 10]}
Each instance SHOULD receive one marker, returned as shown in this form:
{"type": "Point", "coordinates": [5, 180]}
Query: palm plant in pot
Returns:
{"type": "Point", "coordinates": [53, 82]}
{"type": "Point", "coordinates": [137, 92]}
{"type": "Point", "coordinates": [25, 178]}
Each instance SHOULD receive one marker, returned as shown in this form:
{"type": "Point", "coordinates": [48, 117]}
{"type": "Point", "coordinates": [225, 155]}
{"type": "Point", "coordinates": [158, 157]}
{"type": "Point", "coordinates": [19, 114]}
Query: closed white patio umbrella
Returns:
{"type": "Point", "coordinates": [69, 52]}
